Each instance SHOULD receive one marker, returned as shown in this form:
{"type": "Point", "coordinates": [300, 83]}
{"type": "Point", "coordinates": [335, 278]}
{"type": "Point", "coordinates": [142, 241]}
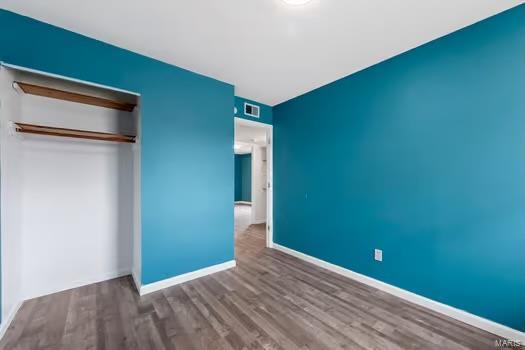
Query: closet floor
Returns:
{"type": "Point", "coordinates": [269, 301]}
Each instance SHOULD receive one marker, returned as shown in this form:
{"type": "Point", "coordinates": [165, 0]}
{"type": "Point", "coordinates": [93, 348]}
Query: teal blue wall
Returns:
{"type": "Point", "coordinates": [246, 166]}
{"type": "Point", "coordinates": [187, 141]}
{"type": "Point", "coordinates": [266, 112]}
{"type": "Point", "coordinates": [238, 178]}
{"type": "Point", "coordinates": [422, 156]}
{"type": "Point", "coordinates": [243, 177]}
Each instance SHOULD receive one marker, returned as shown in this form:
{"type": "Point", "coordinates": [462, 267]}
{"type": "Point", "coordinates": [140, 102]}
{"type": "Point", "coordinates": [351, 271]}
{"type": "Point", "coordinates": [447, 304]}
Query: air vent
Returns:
{"type": "Point", "coordinates": [251, 110]}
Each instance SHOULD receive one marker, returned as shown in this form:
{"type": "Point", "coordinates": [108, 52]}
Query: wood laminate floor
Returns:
{"type": "Point", "coordinates": [243, 216]}
{"type": "Point", "coordinates": [269, 301]}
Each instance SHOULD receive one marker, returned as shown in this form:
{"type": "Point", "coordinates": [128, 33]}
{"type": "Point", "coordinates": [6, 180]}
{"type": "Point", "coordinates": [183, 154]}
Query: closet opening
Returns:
{"type": "Point", "coordinates": [70, 184]}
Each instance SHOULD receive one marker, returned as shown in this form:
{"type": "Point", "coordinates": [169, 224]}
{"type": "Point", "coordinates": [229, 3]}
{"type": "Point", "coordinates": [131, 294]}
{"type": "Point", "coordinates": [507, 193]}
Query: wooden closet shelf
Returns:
{"type": "Point", "coordinates": [81, 134]}
{"type": "Point", "coordinates": [74, 97]}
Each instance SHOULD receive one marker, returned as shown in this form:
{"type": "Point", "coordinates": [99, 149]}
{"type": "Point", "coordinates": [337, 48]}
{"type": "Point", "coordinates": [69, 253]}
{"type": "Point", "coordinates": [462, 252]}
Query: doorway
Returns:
{"type": "Point", "coordinates": [253, 179]}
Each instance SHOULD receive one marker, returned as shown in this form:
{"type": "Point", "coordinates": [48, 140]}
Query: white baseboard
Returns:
{"type": "Point", "coordinates": [78, 283]}
{"type": "Point", "coordinates": [463, 316]}
{"type": "Point", "coordinates": [7, 322]}
{"type": "Point", "coordinates": [257, 222]}
{"type": "Point", "coordinates": [155, 286]}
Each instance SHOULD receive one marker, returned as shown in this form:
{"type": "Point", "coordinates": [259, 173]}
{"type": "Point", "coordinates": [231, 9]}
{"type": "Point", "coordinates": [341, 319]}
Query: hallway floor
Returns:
{"type": "Point", "coordinates": [242, 214]}
{"type": "Point", "coordinates": [269, 301]}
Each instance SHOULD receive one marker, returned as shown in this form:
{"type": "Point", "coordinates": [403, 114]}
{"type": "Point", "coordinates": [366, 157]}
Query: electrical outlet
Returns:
{"type": "Point", "coordinates": [378, 254]}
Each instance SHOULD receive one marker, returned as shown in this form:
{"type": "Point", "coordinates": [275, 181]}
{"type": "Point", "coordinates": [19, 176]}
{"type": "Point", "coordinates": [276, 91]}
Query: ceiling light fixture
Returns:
{"type": "Point", "coordinates": [296, 2]}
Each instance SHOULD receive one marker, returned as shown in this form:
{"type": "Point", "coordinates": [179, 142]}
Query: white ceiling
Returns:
{"type": "Point", "coordinates": [249, 134]}
{"type": "Point", "coordinates": [241, 148]}
{"type": "Point", "coordinates": [270, 51]}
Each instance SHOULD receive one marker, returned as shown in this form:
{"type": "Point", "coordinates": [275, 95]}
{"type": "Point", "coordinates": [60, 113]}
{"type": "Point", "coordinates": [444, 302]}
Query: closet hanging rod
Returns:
{"type": "Point", "coordinates": [74, 97]}
{"type": "Point", "coordinates": [74, 133]}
